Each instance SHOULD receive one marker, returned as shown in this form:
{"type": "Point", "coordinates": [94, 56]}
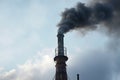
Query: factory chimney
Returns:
{"type": "Point", "coordinates": [60, 59]}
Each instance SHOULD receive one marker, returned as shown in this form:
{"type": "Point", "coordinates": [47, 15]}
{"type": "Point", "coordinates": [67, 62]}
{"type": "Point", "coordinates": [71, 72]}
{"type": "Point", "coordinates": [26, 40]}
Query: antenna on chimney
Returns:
{"type": "Point", "coordinates": [77, 76]}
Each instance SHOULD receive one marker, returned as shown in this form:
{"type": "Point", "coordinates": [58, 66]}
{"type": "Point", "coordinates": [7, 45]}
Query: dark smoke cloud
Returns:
{"type": "Point", "coordinates": [106, 12]}
{"type": "Point", "coordinates": [99, 64]}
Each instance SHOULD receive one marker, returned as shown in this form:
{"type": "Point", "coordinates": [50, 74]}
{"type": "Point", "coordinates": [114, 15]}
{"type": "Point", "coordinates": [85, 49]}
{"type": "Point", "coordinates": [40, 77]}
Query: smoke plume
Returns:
{"type": "Point", "coordinates": [102, 64]}
{"type": "Point", "coordinates": [82, 17]}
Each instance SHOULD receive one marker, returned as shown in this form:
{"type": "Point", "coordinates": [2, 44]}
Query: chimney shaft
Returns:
{"type": "Point", "coordinates": [60, 59]}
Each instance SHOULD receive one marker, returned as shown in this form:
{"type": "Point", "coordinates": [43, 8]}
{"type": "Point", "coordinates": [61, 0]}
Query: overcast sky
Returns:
{"type": "Point", "coordinates": [28, 39]}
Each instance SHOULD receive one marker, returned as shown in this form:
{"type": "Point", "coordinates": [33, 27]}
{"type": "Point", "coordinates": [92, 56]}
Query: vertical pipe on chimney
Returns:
{"type": "Point", "coordinates": [60, 44]}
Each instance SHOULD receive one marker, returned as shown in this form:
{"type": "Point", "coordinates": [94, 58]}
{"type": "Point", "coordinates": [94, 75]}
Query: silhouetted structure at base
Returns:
{"type": "Point", "coordinates": [60, 59]}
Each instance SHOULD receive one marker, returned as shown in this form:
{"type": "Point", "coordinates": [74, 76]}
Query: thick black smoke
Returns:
{"type": "Point", "coordinates": [101, 64]}
{"type": "Point", "coordinates": [84, 17]}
